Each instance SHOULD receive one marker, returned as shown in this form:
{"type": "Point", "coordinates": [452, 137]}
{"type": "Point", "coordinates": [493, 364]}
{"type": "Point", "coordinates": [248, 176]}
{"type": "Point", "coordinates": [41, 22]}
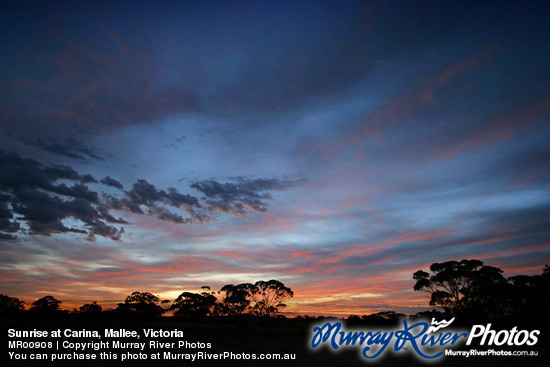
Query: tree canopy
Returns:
{"type": "Point", "coordinates": [263, 298]}
{"type": "Point", "coordinates": [10, 304]}
{"type": "Point", "coordinates": [144, 304]}
{"type": "Point", "coordinates": [470, 289]}
{"type": "Point", "coordinates": [90, 308]}
{"type": "Point", "coordinates": [46, 304]}
{"type": "Point", "coordinates": [190, 304]}
{"type": "Point", "coordinates": [269, 297]}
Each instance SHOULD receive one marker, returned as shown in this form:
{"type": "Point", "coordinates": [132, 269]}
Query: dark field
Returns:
{"type": "Point", "coordinates": [283, 336]}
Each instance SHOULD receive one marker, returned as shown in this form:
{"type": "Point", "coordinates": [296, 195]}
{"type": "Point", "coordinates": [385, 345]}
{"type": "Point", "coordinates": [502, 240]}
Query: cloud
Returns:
{"type": "Point", "coordinates": [83, 87]}
{"type": "Point", "coordinates": [164, 214]}
{"type": "Point", "coordinates": [102, 229]}
{"type": "Point", "coordinates": [99, 76]}
{"type": "Point", "coordinates": [76, 191]}
{"type": "Point", "coordinates": [70, 148]}
{"type": "Point", "coordinates": [39, 199]}
{"type": "Point", "coordinates": [6, 216]}
{"type": "Point", "coordinates": [146, 194]}
{"type": "Point", "coordinates": [240, 196]}
{"type": "Point", "coordinates": [9, 237]}
{"type": "Point", "coordinates": [143, 192]}
{"type": "Point", "coordinates": [44, 213]}
{"type": "Point", "coordinates": [30, 194]}
{"type": "Point", "coordinates": [18, 173]}
{"type": "Point", "coordinates": [111, 182]}
{"type": "Point", "coordinates": [174, 198]}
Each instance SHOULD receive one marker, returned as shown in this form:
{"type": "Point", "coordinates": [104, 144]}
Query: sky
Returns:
{"type": "Point", "coordinates": [335, 146]}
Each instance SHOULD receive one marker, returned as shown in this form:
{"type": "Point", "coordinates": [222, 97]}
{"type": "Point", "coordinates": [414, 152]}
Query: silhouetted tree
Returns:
{"type": "Point", "coordinates": [488, 296]}
{"type": "Point", "coordinates": [194, 304]}
{"type": "Point", "coordinates": [91, 308]}
{"type": "Point", "coordinates": [46, 304]}
{"type": "Point", "coordinates": [144, 304]}
{"type": "Point", "coordinates": [447, 283]}
{"type": "Point", "coordinates": [269, 297]}
{"type": "Point", "coordinates": [261, 298]}
{"type": "Point", "coordinates": [10, 304]}
{"type": "Point", "coordinates": [237, 298]}
{"type": "Point", "coordinates": [458, 286]}
{"type": "Point", "coordinates": [467, 289]}
{"type": "Point", "coordinates": [531, 294]}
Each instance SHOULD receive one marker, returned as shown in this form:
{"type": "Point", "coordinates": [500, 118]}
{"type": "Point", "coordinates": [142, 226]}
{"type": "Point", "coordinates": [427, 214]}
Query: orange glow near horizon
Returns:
{"type": "Point", "coordinates": [385, 293]}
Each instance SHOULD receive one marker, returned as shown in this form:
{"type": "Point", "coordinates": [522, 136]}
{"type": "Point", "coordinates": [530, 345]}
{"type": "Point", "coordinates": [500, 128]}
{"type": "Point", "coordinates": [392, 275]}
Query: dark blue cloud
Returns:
{"type": "Point", "coordinates": [30, 193]}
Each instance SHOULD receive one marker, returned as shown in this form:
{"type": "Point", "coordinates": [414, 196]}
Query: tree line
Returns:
{"type": "Point", "coordinates": [472, 291]}
{"type": "Point", "coordinates": [468, 290]}
{"type": "Point", "coordinates": [262, 299]}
